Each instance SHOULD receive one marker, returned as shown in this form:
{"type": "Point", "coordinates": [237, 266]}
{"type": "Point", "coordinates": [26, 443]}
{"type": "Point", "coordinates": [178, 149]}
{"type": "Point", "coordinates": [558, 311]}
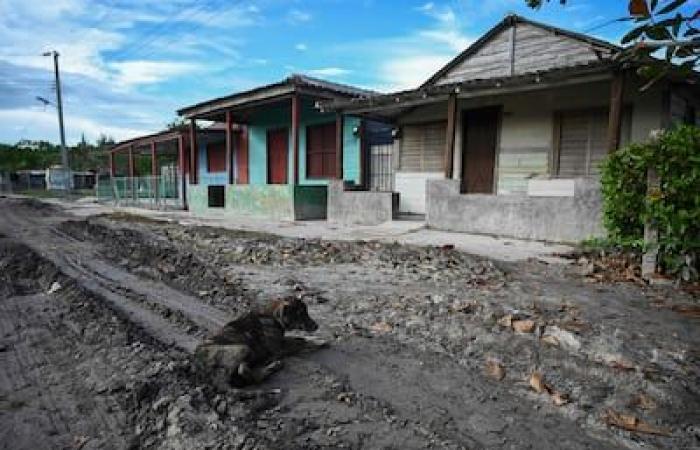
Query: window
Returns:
{"type": "Point", "coordinates": [423, 147]}
{"type": "Point", "coordinates": [320, 151]}
{"type": "Point", "coordinates": [216, 157]}
{"type": "Point", "coordinates": [582, 142]}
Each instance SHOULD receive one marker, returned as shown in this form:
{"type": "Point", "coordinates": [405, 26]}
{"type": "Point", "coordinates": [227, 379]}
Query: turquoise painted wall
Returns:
{"type": "Point", "coordinates": [207, 178]}
{"type": "Point", "coordinates": [279, 117]}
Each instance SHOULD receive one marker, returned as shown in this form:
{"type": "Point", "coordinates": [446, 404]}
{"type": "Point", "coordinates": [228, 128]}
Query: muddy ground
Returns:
{"type": "Point", "coordinates": [427, 347]}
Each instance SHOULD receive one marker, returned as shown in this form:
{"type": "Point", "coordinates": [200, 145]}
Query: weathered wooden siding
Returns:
{"type": "Point", "coordinates": [534, 49]}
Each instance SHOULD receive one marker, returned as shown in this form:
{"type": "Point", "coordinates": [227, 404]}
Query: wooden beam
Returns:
{"type": "Point", "coordinates": [339, 146]}
{"type": "Point", "coordinates": [450, 141]}
{"type": "Point", "coordinates": [511, 49]}
{"type": "Point", "coordinates": [194, 151]}
{"type": "Point", "coordinates": [229, 148]}
{"type": "Point", "coordinates": [295, 136]}
{"type": "Point", "coordinates": [615, 115]}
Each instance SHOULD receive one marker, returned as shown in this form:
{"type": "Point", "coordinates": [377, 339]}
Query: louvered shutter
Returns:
{"type": "Point", "coordinates": [423, 147]}
{"type": "Point", "coordinates": [582, 145]}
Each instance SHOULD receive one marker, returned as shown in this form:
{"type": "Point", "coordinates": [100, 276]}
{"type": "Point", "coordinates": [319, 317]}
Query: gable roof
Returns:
{"type": "Point", "coordinates": [291, 84]}
{"type": "Point", "coordinates": [507, 22]}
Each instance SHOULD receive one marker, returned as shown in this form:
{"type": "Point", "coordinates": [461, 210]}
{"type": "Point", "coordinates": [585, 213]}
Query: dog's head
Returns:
{"type": "Point", "coordinates": [292, 314]}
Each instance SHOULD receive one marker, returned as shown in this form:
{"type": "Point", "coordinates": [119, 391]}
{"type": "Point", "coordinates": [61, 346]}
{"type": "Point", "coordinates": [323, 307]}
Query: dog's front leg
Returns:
{"type": "Point", "coordinates": [259, 374]}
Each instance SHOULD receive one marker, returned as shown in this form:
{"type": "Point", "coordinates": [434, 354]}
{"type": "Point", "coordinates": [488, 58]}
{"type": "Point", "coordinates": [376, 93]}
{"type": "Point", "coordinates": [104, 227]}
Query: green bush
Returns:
{"type": "Point", "coordinates": [675, 208]}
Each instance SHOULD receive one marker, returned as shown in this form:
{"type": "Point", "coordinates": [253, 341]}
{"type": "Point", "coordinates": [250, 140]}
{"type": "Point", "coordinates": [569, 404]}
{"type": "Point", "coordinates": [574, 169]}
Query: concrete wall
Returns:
{"type": "Point", "coordinates": [277, 202]}
{"type": "Point", "coordinates": [557, 219]}
{"type": "Point", "coordinates": [360, 207]}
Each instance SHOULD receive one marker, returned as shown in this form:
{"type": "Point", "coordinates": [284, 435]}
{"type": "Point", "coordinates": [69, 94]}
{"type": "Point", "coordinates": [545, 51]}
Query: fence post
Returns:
{"type": "Point", "coordinates": [651, 231]}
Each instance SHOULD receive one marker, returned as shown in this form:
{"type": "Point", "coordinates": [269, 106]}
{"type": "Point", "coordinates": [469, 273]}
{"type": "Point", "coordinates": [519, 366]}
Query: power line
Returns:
{"type": "Point", "coordinates": [157, 31]}
{"type": "Point", "coordinates": [170, 40]}
{"type": "Point", "coordinates": [605, 24]}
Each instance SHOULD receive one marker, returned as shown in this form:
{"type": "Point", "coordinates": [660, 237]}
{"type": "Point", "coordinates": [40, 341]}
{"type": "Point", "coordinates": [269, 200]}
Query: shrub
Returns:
{"type": "Point", "coordinates": [674, 209]}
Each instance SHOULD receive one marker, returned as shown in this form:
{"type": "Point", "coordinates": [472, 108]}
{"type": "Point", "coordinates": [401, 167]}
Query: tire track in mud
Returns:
{"type": "Point", "coordinates": [130, 294]}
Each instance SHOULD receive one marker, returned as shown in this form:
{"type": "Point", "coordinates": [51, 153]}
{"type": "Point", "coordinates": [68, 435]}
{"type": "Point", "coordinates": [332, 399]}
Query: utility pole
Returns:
{"type": "Point", "coordinates": [59, 106]}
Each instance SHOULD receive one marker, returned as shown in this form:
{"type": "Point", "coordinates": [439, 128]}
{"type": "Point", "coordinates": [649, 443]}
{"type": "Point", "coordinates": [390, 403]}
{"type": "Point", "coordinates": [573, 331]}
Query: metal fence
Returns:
{"type": "Point", "coordinates": [162, 192]}
{"type": "Point", "coordinates": [381, 169]}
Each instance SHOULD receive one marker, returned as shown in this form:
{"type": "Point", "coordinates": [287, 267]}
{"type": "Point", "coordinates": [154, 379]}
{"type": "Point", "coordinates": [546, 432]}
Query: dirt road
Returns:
{"type": "Point", "coordinates": [428, 347]}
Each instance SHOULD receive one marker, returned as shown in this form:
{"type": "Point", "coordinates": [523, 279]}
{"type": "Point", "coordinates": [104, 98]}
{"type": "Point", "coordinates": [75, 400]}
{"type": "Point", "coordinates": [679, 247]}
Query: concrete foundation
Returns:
{"type": "Point", "coordinates": [278, 202]}
{"type": "Point", "coordinates": [360, 207]}
{"type": "Point", "coordinates": [556, 219]}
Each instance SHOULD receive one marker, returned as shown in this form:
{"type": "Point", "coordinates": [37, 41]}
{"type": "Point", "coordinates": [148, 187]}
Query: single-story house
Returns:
{"type": "Point", "coordinates": [506, 138]}
{"type": "Point", "coordinates": [278, 152]}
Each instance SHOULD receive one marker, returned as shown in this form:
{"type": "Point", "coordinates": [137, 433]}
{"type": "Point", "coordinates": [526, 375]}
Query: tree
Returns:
{"type": "Point", "coordinates": [658, 28]}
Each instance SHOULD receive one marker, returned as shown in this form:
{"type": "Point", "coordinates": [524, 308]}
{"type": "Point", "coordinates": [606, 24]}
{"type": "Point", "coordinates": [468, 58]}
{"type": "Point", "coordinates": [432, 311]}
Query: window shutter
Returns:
{"type": "Point", "coordinates": [582, 142]}
{"type": "Point", "coordinates": [320, 151]}
{"type": "Point", "coordinates": [423, 147]}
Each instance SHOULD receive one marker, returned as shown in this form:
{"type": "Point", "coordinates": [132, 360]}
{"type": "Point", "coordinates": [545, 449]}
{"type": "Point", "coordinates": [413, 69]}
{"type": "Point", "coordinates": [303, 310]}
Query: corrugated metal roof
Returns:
{"type": "Point", "coordinates": [292, 82]}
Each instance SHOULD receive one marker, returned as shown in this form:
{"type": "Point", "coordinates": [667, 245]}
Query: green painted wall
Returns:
{"type": "Point", "coordinates": [275, 201]}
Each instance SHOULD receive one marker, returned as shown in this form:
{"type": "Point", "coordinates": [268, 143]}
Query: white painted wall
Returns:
{"type": "Point", "coordinates": [411, 187]}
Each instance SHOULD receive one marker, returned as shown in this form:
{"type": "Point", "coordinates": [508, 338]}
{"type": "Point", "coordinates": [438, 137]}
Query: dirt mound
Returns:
{"type": "Point", "coordinates": [160, 259]}
{"type": "Point", "coordinates": [22, 272]}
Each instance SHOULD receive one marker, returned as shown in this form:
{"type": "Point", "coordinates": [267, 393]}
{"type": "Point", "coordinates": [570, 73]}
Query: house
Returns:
{"type": "Point", "coordinates": [278, 152]}
{"type": "Point", "coordinates": [506, 138]}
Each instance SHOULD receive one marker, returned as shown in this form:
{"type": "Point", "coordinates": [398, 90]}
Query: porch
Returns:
{"type": "Point", "coordinates": [148, 171]}
{"type": "Point", "coordinates": [277, 153]}
{"type": "Point", "coordinates": [515, 157]}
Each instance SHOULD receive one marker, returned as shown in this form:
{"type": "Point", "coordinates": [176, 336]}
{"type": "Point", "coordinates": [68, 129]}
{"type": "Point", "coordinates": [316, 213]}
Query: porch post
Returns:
{"type": "Point", "coordinates": [450, 138]}
{"type": "Point", "coordinates": [181, 163]}
{"type": "Point", "coordinates": [154, 169]}
{"type": "Point", "coordinates": [615, 115]}
{"type": "Point", "coordinates": [112, 169]}
{"type": "Point", "coordinates": [295, 136]}
{"type": "Point", "coordinates": [339, 146]}
{"type": "Point", "coordinates": [229, 148]}
{"type": "Point", "coordinates": [194, 152]}
{"type": "Point", "coordinates": [132, 182]}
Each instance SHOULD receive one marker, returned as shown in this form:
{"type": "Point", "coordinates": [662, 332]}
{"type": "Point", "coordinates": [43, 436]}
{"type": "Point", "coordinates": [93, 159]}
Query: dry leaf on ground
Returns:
{"type": "Point", "coordinates": [524, 326]}
{"type": "Point", "coordinates": [537, 383]}
{"type": "Point", "coordinates": [381, 327]}
{"type": "Point", "coordinates": [643, 401]}
{"type": "Point", "coordinates": [506, 321]}
{"type": "Point", "coordinates": [632, 423]}
{"type": "Point", "coordinates": [551, 340]}
{"type": "Point", "coordinates": [495, 369]}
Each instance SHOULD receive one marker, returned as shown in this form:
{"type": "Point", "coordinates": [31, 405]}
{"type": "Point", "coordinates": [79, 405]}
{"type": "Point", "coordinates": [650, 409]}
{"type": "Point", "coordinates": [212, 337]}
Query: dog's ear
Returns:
{"type": "Point", "coordinates": [279, 310]}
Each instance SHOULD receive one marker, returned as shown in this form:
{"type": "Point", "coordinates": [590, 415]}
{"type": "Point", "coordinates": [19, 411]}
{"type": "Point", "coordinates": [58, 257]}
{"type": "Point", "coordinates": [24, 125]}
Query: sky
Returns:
{"type": "Point", "coordinates": [128, 65]}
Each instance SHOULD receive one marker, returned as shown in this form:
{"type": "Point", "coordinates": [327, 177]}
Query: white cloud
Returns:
{"type": "Point", "coordinates": [297, 16]}
{"type": "Point", "coordinates": [409, 72]}
{"type": "Point", "coordinates": [131, 73]}
{"type": "Point", "coordinates": [301, 47]}
{"type": "Point", "coordinates": [330, 72]}
{"type": "Point", "coordinates": [40, 124]}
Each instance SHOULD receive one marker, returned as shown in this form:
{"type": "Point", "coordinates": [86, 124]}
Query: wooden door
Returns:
{"type": "Point", "coordinates": [480, 133]}
{"type": "Point", "coordinates": [277, 156]}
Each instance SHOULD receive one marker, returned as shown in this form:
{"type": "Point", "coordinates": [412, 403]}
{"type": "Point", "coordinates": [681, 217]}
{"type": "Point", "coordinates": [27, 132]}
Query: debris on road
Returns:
{"type": "Point", "coordinates": [631, 423]}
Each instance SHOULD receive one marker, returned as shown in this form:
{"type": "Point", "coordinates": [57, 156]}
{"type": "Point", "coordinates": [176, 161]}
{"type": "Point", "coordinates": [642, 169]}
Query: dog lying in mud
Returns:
{"type": "Point", "coordinates": [247, 350]}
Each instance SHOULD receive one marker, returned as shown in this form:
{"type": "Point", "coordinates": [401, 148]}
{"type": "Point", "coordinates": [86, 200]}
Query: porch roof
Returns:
{"type": "Point", "coordinates": [294, 84]}
{"type": "Point", "coordinates": [148, 139]}
{"type": "Point", "coordinates": [391, 105]}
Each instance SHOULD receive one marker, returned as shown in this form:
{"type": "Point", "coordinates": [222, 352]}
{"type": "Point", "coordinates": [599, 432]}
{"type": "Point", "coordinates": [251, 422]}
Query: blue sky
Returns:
{"type": "Point", "coordinates": [127, 65]}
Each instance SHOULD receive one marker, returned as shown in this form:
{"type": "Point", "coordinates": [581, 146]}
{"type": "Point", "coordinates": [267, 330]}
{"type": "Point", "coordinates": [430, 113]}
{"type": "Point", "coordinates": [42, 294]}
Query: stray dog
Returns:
{"type": "Point", "coordinates": [246, 350]}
